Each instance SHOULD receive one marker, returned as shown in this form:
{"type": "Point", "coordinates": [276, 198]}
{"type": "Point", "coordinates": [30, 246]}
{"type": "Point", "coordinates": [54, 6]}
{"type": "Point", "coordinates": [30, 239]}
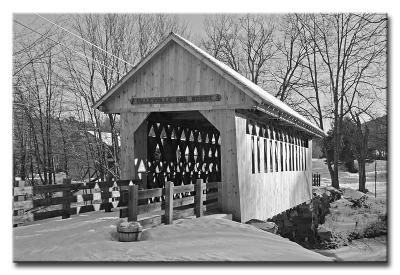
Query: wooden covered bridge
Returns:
{"type": "Point", "coordinates": [186, 116]}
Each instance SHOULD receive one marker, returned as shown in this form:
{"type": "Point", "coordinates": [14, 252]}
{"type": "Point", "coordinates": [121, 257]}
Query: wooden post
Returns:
{"type": "Point", "coordinates": [169, 202]}
{"type": "Point", "coordinates": [67, 197]}
{"type": "Point", "coordinates": [198, 200]}
{"type": "Point", "coordinates": [108, 206]}
{"type": "Point", "coordinates": [21, 183]}
{"type": "Point", "coordinates": [20, 212]}
{"type": "Point", "coordinates": [132, 202]}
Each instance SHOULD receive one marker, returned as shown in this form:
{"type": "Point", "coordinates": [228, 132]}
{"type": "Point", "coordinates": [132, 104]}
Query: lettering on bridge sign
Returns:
{"type": "Point", "coordinates": [175, 99]}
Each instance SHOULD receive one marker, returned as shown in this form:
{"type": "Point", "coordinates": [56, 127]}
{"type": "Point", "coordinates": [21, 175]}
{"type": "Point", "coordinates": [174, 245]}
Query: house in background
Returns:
{"type": "Point", "coordinates": [186, 116]}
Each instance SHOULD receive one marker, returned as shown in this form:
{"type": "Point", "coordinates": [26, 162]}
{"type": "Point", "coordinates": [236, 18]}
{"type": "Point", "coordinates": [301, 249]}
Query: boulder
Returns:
{"type": "Point", "coordinates": [263, 225]}
{"type": "Point", "coordinates": [324, 234]}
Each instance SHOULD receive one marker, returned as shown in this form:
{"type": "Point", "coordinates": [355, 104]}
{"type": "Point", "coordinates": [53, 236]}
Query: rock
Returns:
{"type": "Point", "coordinates": [263, 225]}
{"type": "Point", "coordinates": [351, 194]}
{"type": "Point", "coordinates": [324, 234]}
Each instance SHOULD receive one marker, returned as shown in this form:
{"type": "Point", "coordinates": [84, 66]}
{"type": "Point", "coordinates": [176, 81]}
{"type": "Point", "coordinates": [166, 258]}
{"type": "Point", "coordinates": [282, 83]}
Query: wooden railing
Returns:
{"type": "Point", "coordinates": [149, 206]}
{"type": "Point", "coordinates": [316, 179]}
{"type": "Point", "coordinates": [169, 203]}
{"type": "Point", "coordinates": [38, 202]}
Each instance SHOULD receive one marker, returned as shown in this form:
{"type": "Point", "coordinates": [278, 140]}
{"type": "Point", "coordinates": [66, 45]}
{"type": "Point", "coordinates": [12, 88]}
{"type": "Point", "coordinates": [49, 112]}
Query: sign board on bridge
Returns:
{"type": "Point", "coordinates": [175, 99]}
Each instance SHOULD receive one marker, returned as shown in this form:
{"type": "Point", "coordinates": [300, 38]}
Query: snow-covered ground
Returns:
{"type": "Point", "coordinates": [350, 180]}
{"type": "Point", "coordinates": [92, 237]}
{"type": "Point", "coordinates": [343, 218]}
{"type": "Point", "coordinates": [371, 249]}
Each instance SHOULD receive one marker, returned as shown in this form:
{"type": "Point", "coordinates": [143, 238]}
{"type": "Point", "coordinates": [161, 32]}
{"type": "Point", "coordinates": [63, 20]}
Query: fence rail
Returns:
{"type": "Point", "coordinates": [150, 206]}
{"type": "Point", "coordinates": [171, 202]}
{"type": "Point", "coordinates": [38, 202]}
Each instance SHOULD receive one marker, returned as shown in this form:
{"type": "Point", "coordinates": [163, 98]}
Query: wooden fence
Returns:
{"type": "Point", "coordinates": [174, 202]}
{"type": "Point", "coordinates": [38, 202]}
{"type": "Point", "coordinates": [149, 206]}
{"type": "Point", "coordinates": [316, 179]}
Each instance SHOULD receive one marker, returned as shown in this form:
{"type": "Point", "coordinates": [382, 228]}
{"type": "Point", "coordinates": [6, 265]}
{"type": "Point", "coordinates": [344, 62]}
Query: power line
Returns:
{"type": "Point", "coordinates": [75, 51]}
{"type": "Point", "coordinates": [77, 36]}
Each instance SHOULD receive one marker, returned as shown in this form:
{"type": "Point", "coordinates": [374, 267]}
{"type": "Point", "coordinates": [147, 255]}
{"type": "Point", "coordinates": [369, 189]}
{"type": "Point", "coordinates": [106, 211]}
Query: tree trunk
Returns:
{"type": "Point", "coordinates": [363, 151]}
{"type": "Point", "coordinates": [336, 150]}
{"type": "Point", "coordinates": [361, 175]}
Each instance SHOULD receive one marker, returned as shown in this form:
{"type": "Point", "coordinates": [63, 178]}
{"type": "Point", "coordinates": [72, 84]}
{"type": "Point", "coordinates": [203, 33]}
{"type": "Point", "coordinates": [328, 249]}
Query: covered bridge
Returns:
{"type": "Point", "coordinates": [185, 115]}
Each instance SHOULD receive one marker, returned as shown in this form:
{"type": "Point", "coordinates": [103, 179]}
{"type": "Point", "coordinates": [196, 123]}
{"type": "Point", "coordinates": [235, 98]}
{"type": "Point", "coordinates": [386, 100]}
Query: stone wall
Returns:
{"type": "Point", "coordinates": [300, 224]}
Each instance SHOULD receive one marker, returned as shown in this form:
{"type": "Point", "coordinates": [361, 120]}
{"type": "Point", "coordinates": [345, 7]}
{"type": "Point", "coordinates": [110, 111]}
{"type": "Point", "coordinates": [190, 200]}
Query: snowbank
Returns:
{"type": "Point", "coordinates": [92, 237]}
{"type": "Point", "coordinates": [356, 215]}
{"type": "Point", "coordinates": [373, 249]}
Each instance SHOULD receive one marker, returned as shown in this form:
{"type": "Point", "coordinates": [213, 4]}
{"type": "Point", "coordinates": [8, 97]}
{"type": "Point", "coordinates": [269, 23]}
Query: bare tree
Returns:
{"type": "Point", "coordinates": [243, 42]}
{"type": "Point", "coordinates": [288, 69]}
{"type": "Point", "coordinates": [120, 42]}
{"type": "Point", "coordinates": [36, 94]}
{"type": "Point", "coordinates": [343, 53]}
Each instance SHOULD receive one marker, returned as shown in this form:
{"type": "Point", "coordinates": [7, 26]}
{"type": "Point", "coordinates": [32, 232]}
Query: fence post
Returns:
{"type": "Point", "coordinates": [109, 206]}
{"type": "Point", "coordinates": [169, 202]}
{"type": "Point", "coordinates": [21, 183]}
{"type": "Point", "coordinates": [198, 200]}
{"type": "Point", "coordinates": [67, 197]}
{"type": "Point", "coordinates": [20, 212]}
{"type": "Point", "coordinates": [132, 202]}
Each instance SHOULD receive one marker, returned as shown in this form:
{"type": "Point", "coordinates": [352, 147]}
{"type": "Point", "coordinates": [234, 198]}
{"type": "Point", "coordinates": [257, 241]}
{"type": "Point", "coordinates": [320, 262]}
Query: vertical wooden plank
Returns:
{"type": "Point", "coordinates": [220, 196]}
{"type": "Point", "coordinates": [140, 147]}
{"type": "Point", "coordinates": [273, 164]}
{"type": "Point", "coordinates": [224, 121]}
{"type": "Point", "coordinates": [132, 202]}
{"type": "Point", "coordinates": [67, 204]}
{"type": "Point", "coordinates": [254, 144]}
{"type": "Point", "coordinates": [169, 202]}
{"type": "Point", "coordinates": [279, 155]}
{"type": "Point", "coordinates": [198, 199]}
{"type": "Point", "coordinates": [262, 166]}
{"type": "Point", "coordinates": [21, 183]}
{"type": "Point", "coordinates": [20, 212]}
{"type": "Point", "coordinates": [130, 122]}
{"type": "Point", "coordinates": [268, 155]}
{"type": "Point", "coordinates": [284, 155]}
{"type": "Point", "coordinates": [309, 167]}
{"type": "Point", "coordinates": [109, 206]}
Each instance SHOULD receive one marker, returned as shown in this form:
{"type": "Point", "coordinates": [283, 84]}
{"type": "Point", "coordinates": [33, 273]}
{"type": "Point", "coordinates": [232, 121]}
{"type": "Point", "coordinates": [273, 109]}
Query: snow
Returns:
{"type": "Point", "coordinates": [345, 219]}
{"type": "Point", "coordinates": [372, 249]}
{"type": "Point", "coordinates": [93, 237]}
{"type": "Point", "coordinates": [347, 222]}
{"type": "Point", "coordinates": [350, 180]}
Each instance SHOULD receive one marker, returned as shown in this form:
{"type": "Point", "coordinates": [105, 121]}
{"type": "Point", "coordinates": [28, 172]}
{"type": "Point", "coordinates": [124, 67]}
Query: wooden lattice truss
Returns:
{"type": "Point", "coordinates": [182, 154]}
